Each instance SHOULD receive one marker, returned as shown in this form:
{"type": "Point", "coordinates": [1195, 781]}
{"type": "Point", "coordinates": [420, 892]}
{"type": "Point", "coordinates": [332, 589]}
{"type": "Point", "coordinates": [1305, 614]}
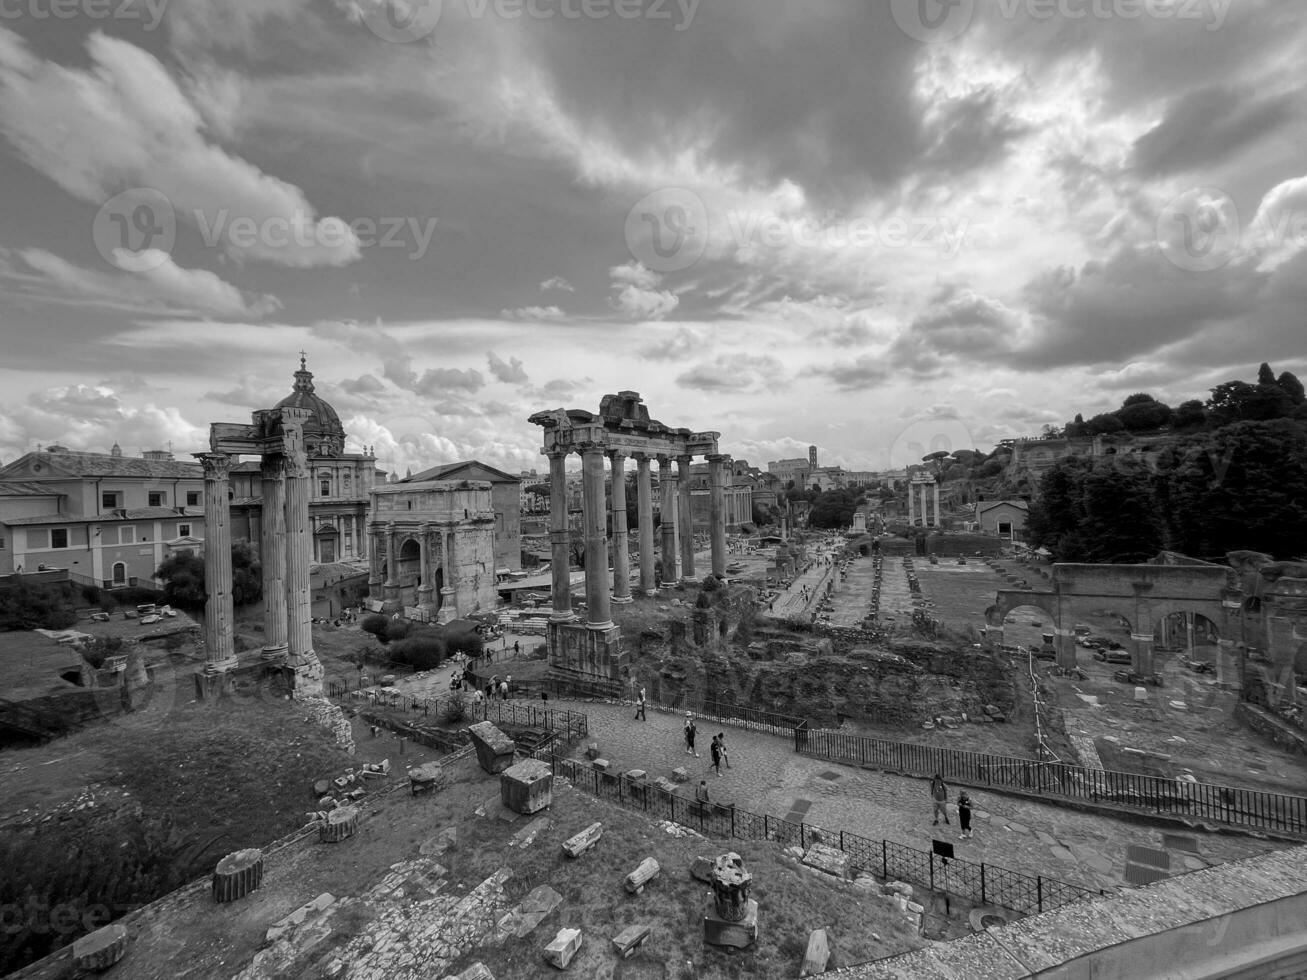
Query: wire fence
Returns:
{"type": "Point", "coordinates": [982, 884]}
{"type": "Point", "coordinates": [1243, 808]}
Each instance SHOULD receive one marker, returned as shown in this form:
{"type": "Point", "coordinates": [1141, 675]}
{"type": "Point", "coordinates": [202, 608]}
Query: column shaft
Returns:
{"type": "Point", "coordinates": [425, 575]}
{"type": "Point", "coordinates": [298, 545]}
{"type": "Point", "coordinates": [670, 520]}
{"type": "Point", "coordinates": [621, 538]}
{"type": "Point", "coordinates": [560, 544]}
{"type": "Point", "coordinates": [717, 511]}
{"type": "Point", "coordinates": [937, 520]}
{"type": "Point", "coordinates": [912, 511]}
{"type": "Point", "coordinates": [598, 608]}
{"type": "Point", "coordinates": [644, 507]}
{"type": "Point", "coordinates": [273, 555]}
{"type": "Point", "coordinates": [219, 614]}
{"type": "Point", "coordinates": [686, 517]}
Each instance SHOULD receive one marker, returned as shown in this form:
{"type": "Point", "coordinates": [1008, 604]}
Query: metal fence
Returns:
{"type": "Point", "coordinates": [983, 884]}
{"type": "Point", "coordinates": [1244, 808]}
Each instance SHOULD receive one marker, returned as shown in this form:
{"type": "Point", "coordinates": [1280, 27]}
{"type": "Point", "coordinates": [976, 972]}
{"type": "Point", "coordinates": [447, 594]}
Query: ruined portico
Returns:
{"type": "Point", "coordinates": [918, 488]}
{"type": "Point", "coordinates": [276, 436]}
{"type": "Point", "coordinates": [591, 651]}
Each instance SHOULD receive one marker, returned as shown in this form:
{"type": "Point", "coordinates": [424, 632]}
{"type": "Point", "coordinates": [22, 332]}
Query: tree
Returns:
{"type": "Point", "coordinates": [26, 607]}
{"type": "Point", "coordinates": [1121, 523]}
{"type": "Point", "coordinates": [1189, 415]}
{"type": "Point", "coordinates": [182, 575]}
{"type": "Point", "coordinates": [1292, 387]}
{"type": "Point", "coordinates": [832, 509]}
{"type": "Point", "coordinates": [1265, 376]}
{"type": "Point", "coordinates": [1104, 424]}
{"type": "Point", "coordinates": [1143, 413]}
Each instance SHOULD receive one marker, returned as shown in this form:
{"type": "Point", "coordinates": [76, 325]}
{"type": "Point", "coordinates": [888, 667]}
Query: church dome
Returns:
{"type": "Point", "coordinates": [323, 433]}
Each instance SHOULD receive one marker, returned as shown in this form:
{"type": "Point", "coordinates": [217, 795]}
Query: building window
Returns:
{"type": "Point", "coordinates": [127, 535]}
{"type": "Point", "coordinates": [345, 480]}
{"type": "Point", "coordinates": [119, 573]}
{"type": "Point", "coordinates": [324, 487]}
{"type": "Point", "coordinates": [2, 544]}
{"type": "Point", "coordinates": [1005, 527]}
{"type": "Point", "coordinates": [59, 537]}
{"type": "Point", "coordinates": [108, 501]}
{"type": "Point", "coordinates": [192, 498]}
{"type": "Point", "coordinates": [156, 499]}
{"type": "Point", "coordinates": [183, 530]}
{"type": "Point", "coordinates": [349, 542]}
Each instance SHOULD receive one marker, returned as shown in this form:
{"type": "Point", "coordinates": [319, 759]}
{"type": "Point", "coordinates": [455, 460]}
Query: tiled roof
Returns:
{"type": "Point", "coordinates": [448, 471]}
{"type": "Point", "coordinates": [71, 464]}
{"type": "Point", "coordinates": [26, 489]}
{"type": "Point", "coordinates": [140, 514]}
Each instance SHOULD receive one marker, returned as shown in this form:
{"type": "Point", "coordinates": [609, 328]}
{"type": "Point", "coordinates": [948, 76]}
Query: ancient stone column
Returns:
{"type": "Point", "coordinates": [937, 521]}
{"type": "Point", "coordinates": [448, 597]}
{"type": "Point", "coordinates": [925, 506]}
{"type": "Point", "coordinates": [219, 617]}
{"type": "Point", "coordinates": [717, 511]}
{"type": "Point", "coordinates": [425, 587]}
{"type": "Point", "coordinates": [375, 578]}
{"type": "Point", "coordinates": [685, 517]}
{"type": "Point", "coordinates": [666, 489]}
{"type": "Point", "coordinates": [621, 538]}
{"type": "Point", "coordinates": [298, 545]}
{"type": "Point", "coordinates": [912, 511]}
{"type": "Point", "coordinates": [560, 543]}
{"type": "Point", "coordinates": [598, 608]}
{"type": "Point", "coordinates": [273, 556]}
{"type": "Point", "coordinates": [453, 576]}
{"type": "Point", "coordinates": [644, 507]}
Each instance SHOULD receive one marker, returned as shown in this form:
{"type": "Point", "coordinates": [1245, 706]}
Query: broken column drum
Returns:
{"type": "Point", "coordinates": [730, 885]}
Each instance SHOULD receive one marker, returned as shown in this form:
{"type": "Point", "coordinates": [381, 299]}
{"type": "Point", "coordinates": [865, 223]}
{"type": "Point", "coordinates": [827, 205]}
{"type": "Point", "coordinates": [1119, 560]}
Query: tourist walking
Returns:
{"type": "Point", "coordinates": [689, 735]}
{"type": "Point", "coordinates": [716, 752]}
{"type": "Point", "coordinates": [517, 647]}
{"type": "Point", "coordinates": [701, 794]}
{"type": "Point", "coordinates": [639, 707]}
{"type": "Point", "coordinates": [721, 746]}
{"type": "Point", "coordinates": [939, 793]}
{"type": "Point", "coordinates": [964, 814]}
{"type": "Point", "coordinates": [478, 699]}
{"type": "Point", "coordinates": [503, 690]}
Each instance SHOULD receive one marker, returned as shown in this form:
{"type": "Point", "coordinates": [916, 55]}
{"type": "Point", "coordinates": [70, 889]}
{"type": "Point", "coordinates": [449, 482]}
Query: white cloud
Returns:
{"type": "Point", "coordinates": [534, 313]}
{"type": "Point", "coordinates": [559, 283]}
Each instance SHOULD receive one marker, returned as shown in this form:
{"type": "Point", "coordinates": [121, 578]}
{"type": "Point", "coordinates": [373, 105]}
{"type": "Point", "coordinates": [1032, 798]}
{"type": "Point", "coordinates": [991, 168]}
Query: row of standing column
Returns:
{"type": "Point", "coordinates": [676, 527]}
{"type": "Point", "coordinates": [925, 507]}
{"type": "Point", "coordinates": [286, 538]}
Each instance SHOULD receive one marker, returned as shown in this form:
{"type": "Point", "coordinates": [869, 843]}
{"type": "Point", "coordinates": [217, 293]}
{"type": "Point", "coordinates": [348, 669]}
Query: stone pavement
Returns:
{"type": "Point", "coordinates": [767, 776]}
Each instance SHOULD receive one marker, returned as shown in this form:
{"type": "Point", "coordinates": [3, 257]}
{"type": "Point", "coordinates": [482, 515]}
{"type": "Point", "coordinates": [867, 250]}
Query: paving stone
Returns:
{"type": "Point", "coordinates": [1193, 863]}
{"type": "Point", "coordinates": [1018, 828]}
{"type": "Point", "coordinates": [1044, 838]}
{"type": "Point", "coordinates": [1062, 854]}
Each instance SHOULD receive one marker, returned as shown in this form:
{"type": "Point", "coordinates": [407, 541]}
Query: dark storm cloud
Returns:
{"type": "Point", "coordinates": [1209, 125]}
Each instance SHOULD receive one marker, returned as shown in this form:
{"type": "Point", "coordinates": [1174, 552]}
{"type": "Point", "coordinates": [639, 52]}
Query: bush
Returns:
{"type": "Point", "coordinates": [422, 650]}
{"type": "Point", "coordinates": [455, 712]}
{"type": "Point", "coordinates": [107, 603]}
{"type": "Point", "coordinates": [376, 625]}
{"type": "Point", "coordinates": [135, 595]}
{"type": "Point", "coordinates": [396, 629]}
{"type": "Point", "coordinates": [96, 650]}
{"type": "Point", "coordinates": [468, 642]}
{"type": "Point", "coordinates": [91, 595]}
{"type": "Point", "coordinates": [26, 607]}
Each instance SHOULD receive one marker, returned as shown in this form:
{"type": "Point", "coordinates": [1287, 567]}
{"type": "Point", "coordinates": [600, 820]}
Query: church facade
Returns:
{"type": "Point", "coordinates": [341, 483]}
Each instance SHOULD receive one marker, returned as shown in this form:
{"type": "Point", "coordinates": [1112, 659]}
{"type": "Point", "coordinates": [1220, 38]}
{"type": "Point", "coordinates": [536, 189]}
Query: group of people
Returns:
{"type": "Point", "coordinates": [717, 749]}
{"type": "Point", "coordinates": [939, 794]}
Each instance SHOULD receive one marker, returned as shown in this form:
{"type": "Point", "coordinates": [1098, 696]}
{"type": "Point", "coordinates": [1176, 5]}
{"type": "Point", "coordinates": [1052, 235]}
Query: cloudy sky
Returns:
{"type": "Point", "coordinates": [880, 227]}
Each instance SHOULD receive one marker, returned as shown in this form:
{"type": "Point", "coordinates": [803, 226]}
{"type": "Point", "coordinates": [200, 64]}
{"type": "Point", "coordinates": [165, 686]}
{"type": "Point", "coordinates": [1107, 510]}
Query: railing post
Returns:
{"type": "Point", "coordinates": [732, 821]}
{"type": "Point", "coordinates": [766, 834]}
{"type": "Point", "coordinates": [983, 900]}
{"type": "Point", "coordinates": [932, 870]}
{"type": "Point", "coordinates": [884, 858]}
{"type": "Point", "coordinates": [803, 843]}
{"type": "Point", "coordinates": [1039, 892]}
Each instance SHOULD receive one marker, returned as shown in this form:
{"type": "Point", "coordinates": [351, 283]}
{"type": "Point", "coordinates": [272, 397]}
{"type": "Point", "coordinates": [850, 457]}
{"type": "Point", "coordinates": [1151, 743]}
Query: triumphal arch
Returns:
{"type": "Point", "coordinates": [591, 651]}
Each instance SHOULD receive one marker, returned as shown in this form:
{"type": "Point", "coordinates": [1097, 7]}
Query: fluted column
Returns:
{"type": "Point", "coordinates": [621, 539]}
{"type": "Point", "coordinates": [454, 577]}
{"type": "Point", "coordinates": [644, 507]}
{"type": "Point", "coordinates": [686, 516]}
{"type": "Point", "coordinates": [598, 609]}
{"type": "Point", "coordinates": [425, 587]}
{"type": "Point", "coordinates": [666, 489]}
{"type": "Point", "coordinates": [375, 578]}
{"type": "Point", "coordinates": [560, 543]}
{"type": "Point", "coordinates": [273, 556]}
{"type": "Point", "coordinates": [298, 545]}
{"type": "Point", "coordinates": [448, 599]}
{"type": "Point", "coordinates": [219, 616]}
{"type": "Point", "coordinates": [925, 508]}
{"type": "Point", "coordinates": [937, 520]}
{"type": "Point", "coordinates": [912, 510]}
{"type": "Point", "coordinates": [717, 511]}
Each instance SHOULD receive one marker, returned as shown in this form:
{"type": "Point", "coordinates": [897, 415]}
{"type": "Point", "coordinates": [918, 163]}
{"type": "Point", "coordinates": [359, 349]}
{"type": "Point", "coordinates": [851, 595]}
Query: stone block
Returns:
{"type": "Point", "coordinates": [564, 946]}
{"type": "Point", "coordinates": [583, 841]}
{"type": "Point", "coordinates": [527, 787]}
{"type": "Point", "coordinates": [602, 765]}
{"type": "Point", "coordinates": [289, 922]}
{"type": "Point", "coordinates": [701, 868]}
{"type": "Point", "coordinates": [679, 775]}
{"type": "Point", "coordinates": [636, 775]}
{"type": "Point", "coordinates": [665, 784]}
{"type": "Point", "coordinates": [831, 860]}
{"type": "Point", "coordinates": [340, 823]}
{"type": "Point", "coordinates": [356, 794]}
{"type": "Point", "coordinates": [642, 875]}
{"type": "Point", "coordinates": [626, 941]}
{"type": "Point", "coordinates": [101, 949]}
{"type": "Point", "coordinates": [426, 778]}
{"type": "Point", "coordinates": [494, 749]}
{"type": "Point", "coordinates": [722, 932]}
{"type": "Point", "coordinates": [477, 971]}
{"type": "Point", "coordinates": [592, 750]}
{"type": "Point", "coordinates": [818, 954]}
{"type": "Point", "coordinates": [521, 920]}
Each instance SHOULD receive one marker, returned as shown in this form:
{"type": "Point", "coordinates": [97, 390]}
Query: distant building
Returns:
{"type": "Point", "coordinates": [506, 497]}
{"type": "Point", "coordinates": [1006, 518]}
{"type": "Point", "coordinates": [108, 519]}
